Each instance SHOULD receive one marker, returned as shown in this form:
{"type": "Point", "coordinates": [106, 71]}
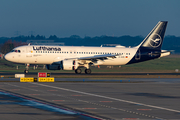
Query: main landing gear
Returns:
{"type": "Point", "coordinates": [78, 71]}
{"type": "Point", "coordinates": [27, 67]}
{"type": "Point", "coordinates": [87, 71]}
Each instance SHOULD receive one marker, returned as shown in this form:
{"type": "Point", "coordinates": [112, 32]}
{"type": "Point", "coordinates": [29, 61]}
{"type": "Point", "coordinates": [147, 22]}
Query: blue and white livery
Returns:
{"type": "Point", "coordinates": [74, 58]}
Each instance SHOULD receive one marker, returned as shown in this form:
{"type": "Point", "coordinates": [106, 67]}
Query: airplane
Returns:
{"type": "Point", "coordinates": [77, 57]}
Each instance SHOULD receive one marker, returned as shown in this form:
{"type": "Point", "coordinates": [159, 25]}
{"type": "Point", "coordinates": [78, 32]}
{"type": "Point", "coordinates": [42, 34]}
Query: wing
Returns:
{"type": "Point", "coordinates": [91, 60]}
{"type": "Point", "coordinates": [96, 59]}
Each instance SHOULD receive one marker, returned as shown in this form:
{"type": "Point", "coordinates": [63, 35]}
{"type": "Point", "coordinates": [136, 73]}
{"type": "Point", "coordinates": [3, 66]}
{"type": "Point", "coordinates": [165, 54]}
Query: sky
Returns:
{"type": "Point", "coordinates": [64, 18]}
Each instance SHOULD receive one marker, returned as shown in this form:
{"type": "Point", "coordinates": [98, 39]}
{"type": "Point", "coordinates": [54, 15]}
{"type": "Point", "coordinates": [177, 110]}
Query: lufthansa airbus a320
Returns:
{"type": "Point", "coordinates": [74, 58]}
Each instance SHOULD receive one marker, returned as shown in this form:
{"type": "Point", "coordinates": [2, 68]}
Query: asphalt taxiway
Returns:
{"type": "Point", "coordinates": [92, 74]}
{"type": "Point", "coordinates": [143, 99]}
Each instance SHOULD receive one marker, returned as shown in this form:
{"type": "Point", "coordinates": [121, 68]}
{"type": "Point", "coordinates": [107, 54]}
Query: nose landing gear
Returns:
{"type": "Point", "coordinates": [27, 67]}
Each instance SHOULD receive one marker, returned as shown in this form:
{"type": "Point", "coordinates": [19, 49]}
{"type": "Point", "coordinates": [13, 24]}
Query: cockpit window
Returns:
{"type": "Point", "coordinates": [17, 51]}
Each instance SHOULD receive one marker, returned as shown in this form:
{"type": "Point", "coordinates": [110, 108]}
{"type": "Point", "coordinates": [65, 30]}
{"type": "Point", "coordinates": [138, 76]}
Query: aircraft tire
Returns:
{"type": "Point", "coordinates": [78, 71]}
{"type": "Point", "coordinates": [26, 71]}
{"type": "Point", "coordinates": [88, 71]}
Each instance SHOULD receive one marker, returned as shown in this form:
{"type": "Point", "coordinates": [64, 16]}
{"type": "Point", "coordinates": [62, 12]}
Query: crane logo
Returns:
{"type": "Point", "coordinates": [155, 40]}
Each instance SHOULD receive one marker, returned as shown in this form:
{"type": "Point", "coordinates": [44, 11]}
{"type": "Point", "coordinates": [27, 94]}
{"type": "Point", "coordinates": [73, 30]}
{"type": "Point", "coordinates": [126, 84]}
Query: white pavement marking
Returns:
{"type": "Point", "coordinates": [152, 106]}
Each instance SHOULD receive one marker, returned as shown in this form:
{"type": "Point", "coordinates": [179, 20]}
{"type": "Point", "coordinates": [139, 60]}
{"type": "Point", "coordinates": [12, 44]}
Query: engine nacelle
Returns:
{"type": "Point", "coordinates": [70, 64]}
{"type": "Point", "coordinates": [53, 67]}
{"type": "Point", "coordinates": [64, 65]}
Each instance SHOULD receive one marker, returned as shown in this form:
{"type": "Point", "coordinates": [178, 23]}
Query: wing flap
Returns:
{"type": "Point", "coordinates": [96, 57]}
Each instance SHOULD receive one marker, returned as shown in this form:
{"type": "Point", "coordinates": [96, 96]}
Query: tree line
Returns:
{"type": "Point", "coordinates": [7, 44]}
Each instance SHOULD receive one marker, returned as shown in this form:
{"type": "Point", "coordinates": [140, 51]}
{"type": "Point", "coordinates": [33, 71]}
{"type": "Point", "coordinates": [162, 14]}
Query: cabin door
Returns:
{"type": "Point", "coordinates": [28, 51]}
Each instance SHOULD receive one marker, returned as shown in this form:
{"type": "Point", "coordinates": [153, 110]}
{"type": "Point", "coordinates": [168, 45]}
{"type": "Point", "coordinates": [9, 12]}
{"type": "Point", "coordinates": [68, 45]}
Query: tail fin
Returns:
{"type": "Point", "coordinates": [155, 38]}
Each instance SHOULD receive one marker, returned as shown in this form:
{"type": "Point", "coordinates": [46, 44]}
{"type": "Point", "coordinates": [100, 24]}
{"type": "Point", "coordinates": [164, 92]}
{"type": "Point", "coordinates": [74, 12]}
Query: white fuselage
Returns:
{"type": "Point", "coordinates": [36, 55]}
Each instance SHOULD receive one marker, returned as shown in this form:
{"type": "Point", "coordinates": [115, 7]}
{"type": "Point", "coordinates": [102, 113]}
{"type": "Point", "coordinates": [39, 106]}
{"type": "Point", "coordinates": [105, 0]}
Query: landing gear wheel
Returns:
{"type": "Point", "coordinates": [26, 71]}
{"type": "Point", "coordinates": [78, 71]}
{"type": "Point", "coordinates": [88, 71]}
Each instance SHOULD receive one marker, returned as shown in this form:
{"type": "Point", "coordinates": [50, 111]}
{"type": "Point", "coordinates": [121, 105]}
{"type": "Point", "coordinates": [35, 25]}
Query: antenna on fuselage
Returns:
{"type": "Point", "coordinates": [29, 44]}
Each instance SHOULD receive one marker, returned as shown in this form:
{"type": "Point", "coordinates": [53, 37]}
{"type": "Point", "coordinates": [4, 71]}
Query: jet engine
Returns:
{"type": "Point", "coordinates": [64, 65]}
{"type": "Point", "coordinates": [70, 64]}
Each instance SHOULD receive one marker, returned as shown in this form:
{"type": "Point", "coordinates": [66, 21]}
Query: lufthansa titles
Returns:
{"type": "Point", "coordinates": [47, 48]}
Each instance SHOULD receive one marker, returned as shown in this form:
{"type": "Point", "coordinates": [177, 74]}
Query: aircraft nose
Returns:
{"type": "Point", "coordinates": [7, 57]}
